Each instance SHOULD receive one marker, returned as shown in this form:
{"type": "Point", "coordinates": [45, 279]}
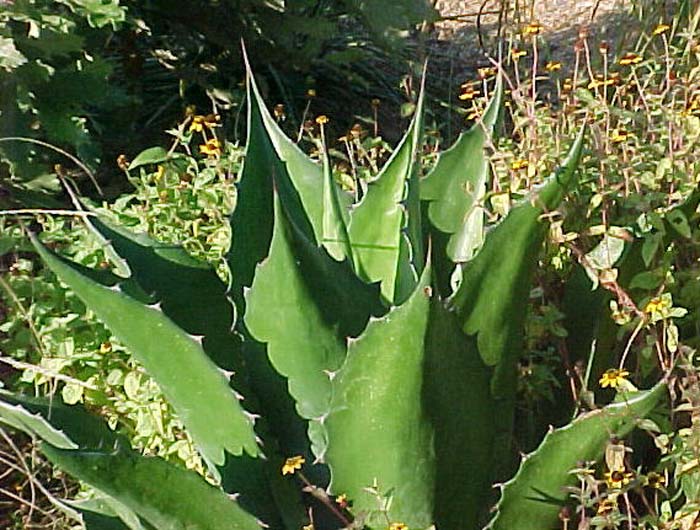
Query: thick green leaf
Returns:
{"type": "Point", "coordinates": [526, 501]}
{"type": "Point", "coordinates": [193, 384]}
{"type": "Point", "coordinates": [493, 294]}
{"type": "Point", "coordinates": [377, 222]}
{"type": "Point", "coordinates": [106, 513]}
{"type": "Point", "coordinates": [192, 295]}
{"type": "Point", "coordinates": [190, 292]}
{"type": "Point", "coordinates": [335, 216]}
{"type": "Point", "coordinates": [457, 398]}
{"type": "Point", "coordinates": [34, 425]}
{"type": "Point", "coordinates": [164, 495]}
{"type": "Point", "coordinates": [456, 186]}
{"type": "Point", "coordinates": [65, 426]}
{"type": "Point", "coordinates": [300, 344]}
{"type": "Point", "coordinates": [377, 430]}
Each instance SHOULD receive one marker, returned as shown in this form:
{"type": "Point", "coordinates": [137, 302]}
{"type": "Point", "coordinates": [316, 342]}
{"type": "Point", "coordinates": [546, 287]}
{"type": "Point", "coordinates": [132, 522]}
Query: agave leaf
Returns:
{"type": "Point", "coordinates": [193, 296]}
{"type": "Point", "coordinates": [190, 292]}
{"type": "Point", "coordinates": [164, 495]}
{"type": "Point", "coordinates": [377, 430]}
{"type": "Point", "coordinates": [34, 425]}
{"type": "Point", "coordinates": [457, 398]}
{"type": "Point", "coordinates": [492, 296]}
{"type": "Point", "coordinates": [300, 344]}
{"type": "Point", "coordinates": [545, 473]}
{"type": "Point", "coordinates": [456, 186]}
{"type": "Point", "coordinates": [193, 384]}
{"type": "Point", "coordinates": [64, 426]}
{"type": "Point", "coordinates": [335, 216]}
{"type": "Point", "coordinates": [377, 222]}
{"type": "Point", "coordinates": [268, 153]}
{"type": "Point", "coordinates": [106, 513]}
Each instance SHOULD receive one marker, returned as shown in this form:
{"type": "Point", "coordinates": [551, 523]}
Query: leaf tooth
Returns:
{"type": "Point", "coordinates": [158, 306]}
{"type": "Point", "coordinates": [199, 339]}
{"type": "Point", "coordinates": [237, 394]}
{"type": "Point", "coordinates": [262, 524]}
{"type": "Point", "coordinates": [234, 496]}
{"type": "Point", "coordinates": [251, 416]}
{"type": "Point", "coordinates": [228, 374]}
{"type": "Point", "coordinates": [331, 374]}
{"type": "Point", "coordinates": [115, 288]}
{"type": "Point", "coordinates": [260, 442]}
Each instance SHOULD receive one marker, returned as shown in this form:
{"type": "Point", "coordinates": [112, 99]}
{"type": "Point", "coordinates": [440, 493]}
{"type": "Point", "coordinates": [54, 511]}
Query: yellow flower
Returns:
{"type": "Point", "coordinates": [342, 500]}
{"type": "Point", "coordinates": [619, 135]}
{"type": "Point", "coordinates": [657, 305]}
{"type": "Point", "coordinates": [552, 66]}
{"type": "Point", "coordinates": [533, 28]}
{"type": "Point", "coordinates": [292, 464]}
{"type": "Point", "coordinates": [468, 92]}
{"type": "Point", "coordinates": [105, 347]}
{"type": "Point", "coordinates": [309, 526]}
{"type": "Point", "coordinates": [519, 164]}
{"type": "Point", "coordinates": [211, 148]}
{"type": "Point", "coordinates": [617, 479]}
{"type": "Point", "coordinates": [660, 28]}
{"type": "Point", "coordinates": [123, 162]}
{"type": "Point", "coordinates": [655, 480]}
{"type": "Point", "coordinates": [630, 58]}
{"type": "Point", "coordinates": [160, 173]}
{"type": "Point", "coordinates": [600, 81]}
{"type": "Point", "coordinates": [613, 378]}
{"type": "Point", "coordinates": [209, 121]}
{"type": "Point", "coordinates": [516, 54]}
{"type": "Point", "coordinates": [398, 526]}
{"type": "Point", "coordinates": [607, 506]}
{"type": "Point", "coordinates": [311, 93]}
{"type": "Point", "coordinates": [486, 71]}
{"type": "Point", "coordinates": [322, 119]}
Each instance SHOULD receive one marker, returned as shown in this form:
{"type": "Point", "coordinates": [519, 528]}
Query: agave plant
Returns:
{"type": "Point", "coordinates": [377, 345]}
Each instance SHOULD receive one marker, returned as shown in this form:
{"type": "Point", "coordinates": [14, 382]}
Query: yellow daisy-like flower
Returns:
{"type": "Point", "coordinates": [552, 66]}
{"type": "Point", "coordinates": [613, 378]}
{"type": "Point", "coordinates": [660, 29]}
{"type": "Point", "coordinates": [209, 121]}
{"type": "Point", "coordinates": [486, 72]}
{"type": "Point", "coordinates": [600, 81]}
{"type": "Point", "coordinates": [211, 148]}
{"type": "Point", "coordinates": [311, 93]}
{"type": "Point", "coordinates": [468, 93]}
{"type": "Point", "coordinates": [517, 165]}
{"type": "Point", "coordinates": [533, 28]}
{"type": "Point", "coordinates": [630, 58]}
{"type": "Point", "coordinates": [607, 506]}
{"type": "Point", "coordinates": [657, 305]}
{"type": "Point", "coordinates": [279, 113]}
{"type": "Point", "coordinates": [516, 53]}
{"type": "Point", "coordinates": [322, 119]}
{"type": "Point", "coordinates": [619, 135]}
{"type": "Point", "coordinates": [655, 480]}
{"type": "Point", "coordinates": [292, 464]}
{"type": "Point", "coordinates": [617, 479]}
{"type": "Point", "coordinates": [342, 500]}
{"type": "Point", "coordinates": [398, 526]}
